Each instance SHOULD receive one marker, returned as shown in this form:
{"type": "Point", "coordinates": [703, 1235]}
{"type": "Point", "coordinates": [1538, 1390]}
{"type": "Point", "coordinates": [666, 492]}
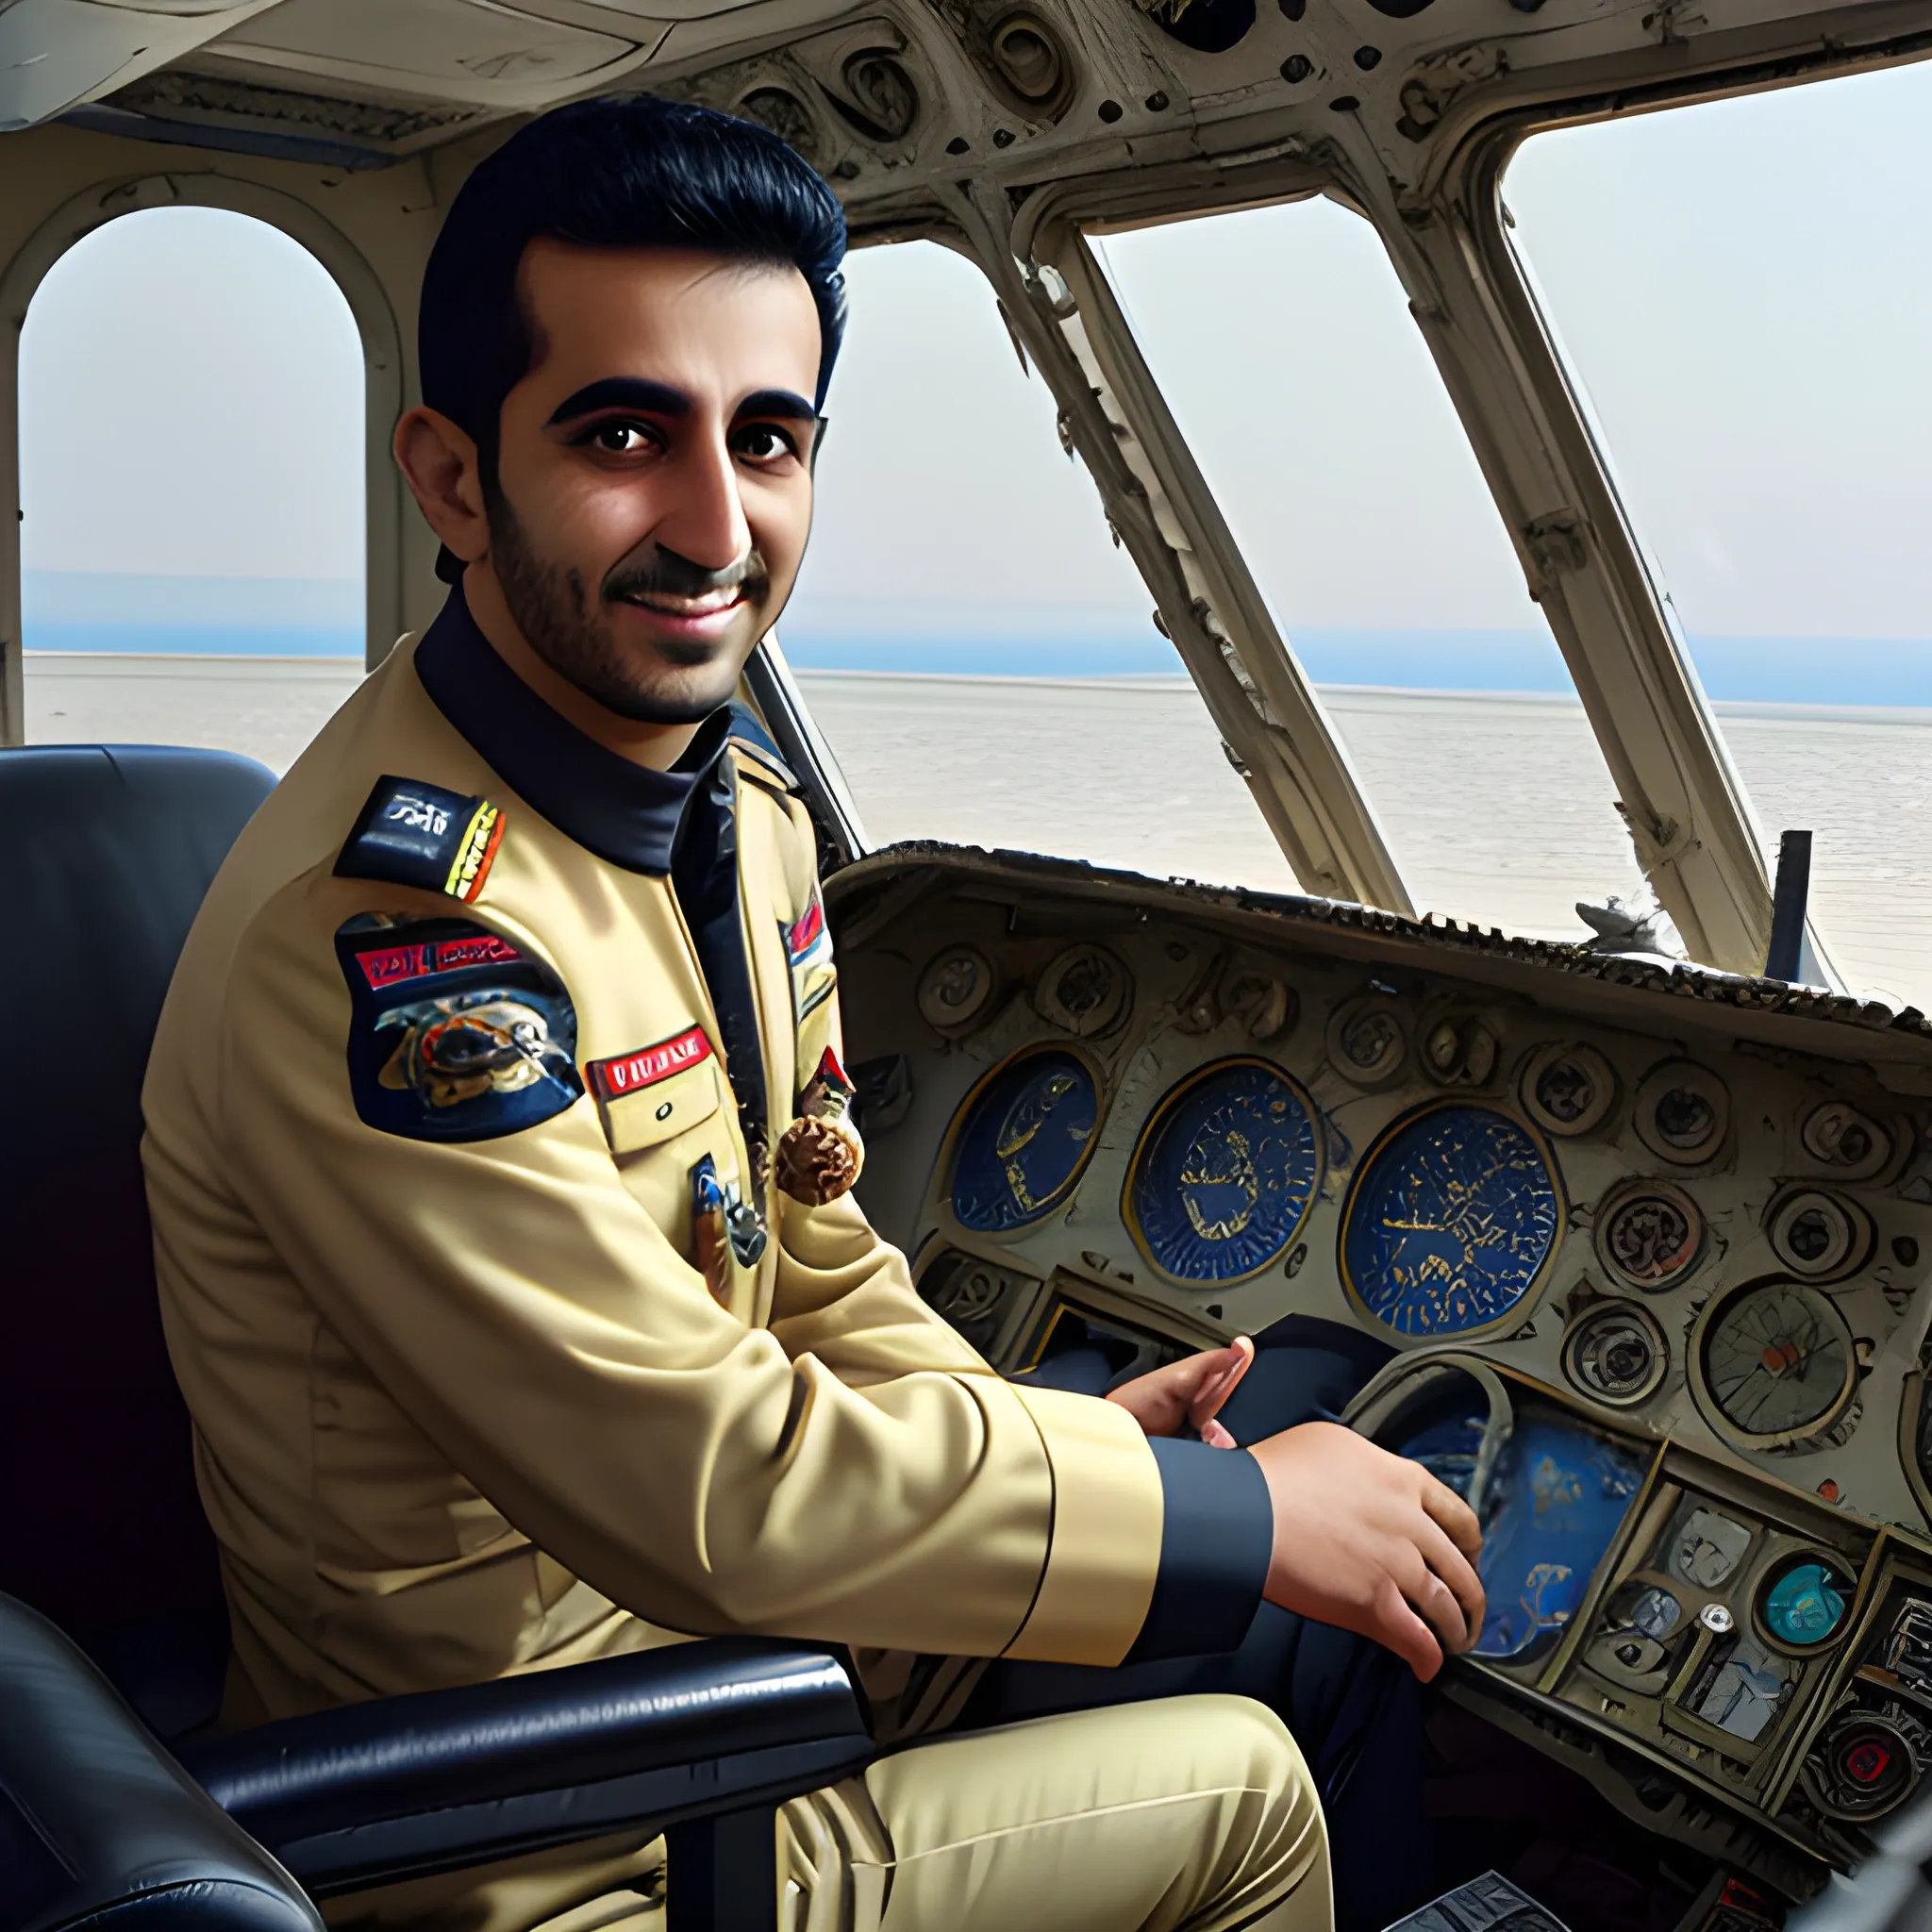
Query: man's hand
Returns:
{"type": "Point", "coordinates": [1188, 1392]}
{"type": "Point", "coordinates": [1372, 1542]}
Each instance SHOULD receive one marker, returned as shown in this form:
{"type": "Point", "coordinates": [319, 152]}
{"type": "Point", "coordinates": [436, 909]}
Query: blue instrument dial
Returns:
{"type": "Point", "coordinates": [1449, 1223]}
{"type": "Point", "coordinates": [1804, 1606]}
{"type": "Point", "coordinates": [1224, 1173]}
{"type": "Point", "coordinates": [1026, 1137]}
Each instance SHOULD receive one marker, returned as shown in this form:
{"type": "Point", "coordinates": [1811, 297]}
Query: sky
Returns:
{"type": "Point", "coordinates": [1740, 287]}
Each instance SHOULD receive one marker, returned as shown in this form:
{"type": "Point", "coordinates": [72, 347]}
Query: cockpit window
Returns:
{"type": "Point", "coordinates": [1282, 341]}
{"type": "Point", "coordinates": [1745, 291]}
{"type": "Point", "coordinates": [980, 656]}
{"type": "Point", "coordinates": [191, 429]}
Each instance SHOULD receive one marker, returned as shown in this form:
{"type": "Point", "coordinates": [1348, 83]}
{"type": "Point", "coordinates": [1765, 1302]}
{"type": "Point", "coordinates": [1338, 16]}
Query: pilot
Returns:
{"type": "Point", "coordinates": [499, 1155]}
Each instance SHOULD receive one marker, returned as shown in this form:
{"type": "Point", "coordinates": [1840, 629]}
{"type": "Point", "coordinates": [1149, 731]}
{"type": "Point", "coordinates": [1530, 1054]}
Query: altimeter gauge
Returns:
{"type": "Point", "coordinates": [1450, 1222]}
{"type": "Point", "coordinates": [1025, 1137]}
{"type": "Point", "coordinates": [1777, 1362]}
{"type": "Point", "coordinates": [1224, 1173]}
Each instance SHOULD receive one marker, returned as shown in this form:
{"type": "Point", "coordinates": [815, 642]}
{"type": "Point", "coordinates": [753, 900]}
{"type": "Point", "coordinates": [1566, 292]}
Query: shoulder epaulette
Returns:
{"type": "Point", "coordinates": [758, 749]}
{"type": "Point", "coordinates": [414, 834]}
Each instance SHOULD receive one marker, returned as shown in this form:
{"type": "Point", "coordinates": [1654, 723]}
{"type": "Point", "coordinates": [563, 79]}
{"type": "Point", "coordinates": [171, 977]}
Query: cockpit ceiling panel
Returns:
{"type": "Point", "coordinates": [466, 50]}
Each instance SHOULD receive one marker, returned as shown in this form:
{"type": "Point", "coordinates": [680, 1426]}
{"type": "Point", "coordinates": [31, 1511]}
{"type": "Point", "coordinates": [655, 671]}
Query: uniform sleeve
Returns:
{"type": "Point", "coordinates": [844, 1295]}
{"type": "Point", "coordinates": [532, 1318]}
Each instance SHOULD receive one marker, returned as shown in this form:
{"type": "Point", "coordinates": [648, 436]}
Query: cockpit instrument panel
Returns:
{"type": "Point", "coordinates": [1677, 1220]}
{"type": "Point", "coordinates": [1024, 1135]}
{"type": "Point", "coordinates": [1223, 1175]}
{"type": "Point", "coordinates": [1450, 1222]}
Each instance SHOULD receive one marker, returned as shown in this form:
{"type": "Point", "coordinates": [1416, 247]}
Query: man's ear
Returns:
{"type": "Point", "coordinates": [439, 463]}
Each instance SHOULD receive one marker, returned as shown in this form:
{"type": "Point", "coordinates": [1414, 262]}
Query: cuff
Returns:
{"type": "Point", "coordinates": [1106, 1543]}
{"type": "Point", "coordinates": [1217, 1536]}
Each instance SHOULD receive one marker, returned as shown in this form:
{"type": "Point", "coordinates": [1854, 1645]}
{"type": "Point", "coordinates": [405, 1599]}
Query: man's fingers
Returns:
{"type": "Point", "coordinates": [1436, 1603]}
{"type": "Point", "coordinates": [1455, 1517]}
{"type": "Point", "coordinates": [1223, 1371]}
{"type": "Point", "coordinates": [1216, 1436]}
{"type": "Point", "coordinates": [1456, 1572]}
{"type": "Point", "coordinates": [1397, 1628]}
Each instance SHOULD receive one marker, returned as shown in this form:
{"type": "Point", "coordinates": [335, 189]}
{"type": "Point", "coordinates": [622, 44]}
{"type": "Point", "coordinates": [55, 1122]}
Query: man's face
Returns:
{"type": "Point", "coordinates": [653, 476]}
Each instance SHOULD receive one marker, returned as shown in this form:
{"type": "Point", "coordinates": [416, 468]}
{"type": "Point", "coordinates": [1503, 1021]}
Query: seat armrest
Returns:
{"type": "Point", "coordinates": [443, 1779]}
{"type": "Point", "coordinates": [98, 1823]}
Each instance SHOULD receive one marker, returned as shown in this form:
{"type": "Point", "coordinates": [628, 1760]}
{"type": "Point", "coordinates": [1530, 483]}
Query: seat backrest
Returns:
{"type": "Point", "coordinates": [98, 1826]}
{"type": "Point", "coordinates": [105, 853]}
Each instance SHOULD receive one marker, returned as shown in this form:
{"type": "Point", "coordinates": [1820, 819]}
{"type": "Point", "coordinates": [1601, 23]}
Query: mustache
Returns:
{"type": "Point", "coordinates": [654, 571]}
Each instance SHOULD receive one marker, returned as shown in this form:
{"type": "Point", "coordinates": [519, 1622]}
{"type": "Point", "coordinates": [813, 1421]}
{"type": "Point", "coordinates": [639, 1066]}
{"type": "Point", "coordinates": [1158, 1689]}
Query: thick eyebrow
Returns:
{"type": "Point", "coordinates": [621, 392]}
{"type": "Point", "coordinates": [781, 403]}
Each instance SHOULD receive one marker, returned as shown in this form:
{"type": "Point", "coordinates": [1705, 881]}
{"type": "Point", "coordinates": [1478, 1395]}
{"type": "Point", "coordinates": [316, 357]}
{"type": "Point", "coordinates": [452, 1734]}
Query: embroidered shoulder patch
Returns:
{"type": "Point", "coordinates": [413, 834]}
{"type": "Point", "coordinates": [454, 1034]}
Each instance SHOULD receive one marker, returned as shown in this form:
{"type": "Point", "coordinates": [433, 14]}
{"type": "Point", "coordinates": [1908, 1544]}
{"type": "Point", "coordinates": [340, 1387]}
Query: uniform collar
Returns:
{"type": "Point", "coordinates": [624, 813]}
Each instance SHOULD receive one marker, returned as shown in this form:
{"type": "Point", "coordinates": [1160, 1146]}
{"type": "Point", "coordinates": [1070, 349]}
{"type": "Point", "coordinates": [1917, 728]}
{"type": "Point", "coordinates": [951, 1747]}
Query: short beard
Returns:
{"type": "Point", "coordinates": [553, 611]}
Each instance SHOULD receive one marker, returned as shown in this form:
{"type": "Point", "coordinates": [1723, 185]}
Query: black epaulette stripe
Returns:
{"type": "Point", "coordinates": [411, 833]}
{"type": "Point", "coordinates": [765, 766]}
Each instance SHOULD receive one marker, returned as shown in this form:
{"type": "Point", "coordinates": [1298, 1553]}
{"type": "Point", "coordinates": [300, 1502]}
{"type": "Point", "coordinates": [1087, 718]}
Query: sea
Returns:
{"type": "Point", "coordinates": [1079, 737]}
{"type": "Point", "coordinates": [200, 616]}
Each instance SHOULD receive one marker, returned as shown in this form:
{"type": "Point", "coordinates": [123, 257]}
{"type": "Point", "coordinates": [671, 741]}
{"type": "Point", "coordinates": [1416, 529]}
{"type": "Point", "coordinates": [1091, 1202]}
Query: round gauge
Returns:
{"type": "Point", "coordinates": [957, 989]}
{"type": "Point", "coordinates": [1616, 1354]}
{"type": "Point", "coordinates": [1367, 1040]}
{"type": "Point", "coordinates": [1804, 1604]}
{"type": "Point", "coordinates": [1084, 991]}
{"type": "Point", "coordinates": [1777, 1360]}
{"type": "Point", "coordinates": [1026, 1134]}
{"type": "Point", "coordinates": [1841, 1137]}
{"type": "Point", "coordinates": [1460, 1055]}
{"type": "Point", "coordinates": [1866, 1763]}
{"type": "Point", "coordinates": [1567, 1090]}
{"type": "Point", "coordinates": [1819, 1236]}
{"type": "Point", "coordinates": [1683, 1113]}
{"type": "Point", "coordinates": [1651, 1234]}
{"type": "Point", "coordinates": [1450, 1222]}
{"type": "Point", "coordinates": [1225, 1173]}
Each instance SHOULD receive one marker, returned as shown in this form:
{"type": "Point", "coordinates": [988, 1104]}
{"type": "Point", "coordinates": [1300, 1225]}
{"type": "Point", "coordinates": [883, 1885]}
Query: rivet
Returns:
{"type": "Point", "coordinates": [1368, 59]}
{"type": "Point", "coordinates": [1297, 67]}
{"type": "Point", "coordinates": [1003, 137]}
{"type": "Point", "coordinates": [1110, 112]}
{"type": "Point", "coordinates": [957, 145]}
{"type": "Point", "coordinates": [1344, 104]}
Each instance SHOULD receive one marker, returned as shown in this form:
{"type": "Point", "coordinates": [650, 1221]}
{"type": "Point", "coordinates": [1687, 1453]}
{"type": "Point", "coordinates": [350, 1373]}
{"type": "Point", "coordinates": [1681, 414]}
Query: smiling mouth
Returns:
{"type": "Point", "coordinates": [708, 604]}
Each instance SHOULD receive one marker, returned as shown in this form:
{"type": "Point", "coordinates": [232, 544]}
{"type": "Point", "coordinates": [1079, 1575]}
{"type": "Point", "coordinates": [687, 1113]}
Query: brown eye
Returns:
{"type": "Point", "coordinates": [759, 443]}
{"type": "Point", "coordinates": [620, 439]}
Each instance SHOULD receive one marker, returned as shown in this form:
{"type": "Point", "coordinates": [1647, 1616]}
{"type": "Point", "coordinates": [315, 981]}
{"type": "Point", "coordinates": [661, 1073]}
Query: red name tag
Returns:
{"type": "Point", "coordinates": [631, 1072]}
{"type": "Point", "coordinates": [394, 963]}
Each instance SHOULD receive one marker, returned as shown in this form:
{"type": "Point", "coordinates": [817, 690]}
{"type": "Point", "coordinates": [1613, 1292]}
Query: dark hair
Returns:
{"type": "Point", "coordinates": [628, 171]}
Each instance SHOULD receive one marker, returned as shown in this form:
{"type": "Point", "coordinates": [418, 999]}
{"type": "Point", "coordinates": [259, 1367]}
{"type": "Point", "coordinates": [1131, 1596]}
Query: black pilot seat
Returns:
{"type": "Point", "coordinates": [117, 1803]}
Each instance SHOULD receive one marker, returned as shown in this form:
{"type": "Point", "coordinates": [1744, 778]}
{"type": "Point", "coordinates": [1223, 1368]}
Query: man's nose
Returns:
{"type": "Point", "coordinates": [704, 519]}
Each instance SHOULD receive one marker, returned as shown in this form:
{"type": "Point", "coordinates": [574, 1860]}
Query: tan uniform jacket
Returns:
{"type": "Point", "coordinates": [467, 1406]}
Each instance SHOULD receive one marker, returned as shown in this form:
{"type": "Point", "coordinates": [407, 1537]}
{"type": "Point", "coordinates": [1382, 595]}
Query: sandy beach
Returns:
{"type": "Point", "coordinates": [1497, 808]}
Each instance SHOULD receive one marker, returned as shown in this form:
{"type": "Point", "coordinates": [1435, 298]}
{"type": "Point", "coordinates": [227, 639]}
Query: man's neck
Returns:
{"type": "Point", "coordinates": [658, 747]}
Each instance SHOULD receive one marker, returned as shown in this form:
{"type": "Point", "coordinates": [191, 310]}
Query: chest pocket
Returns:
{"type": "Point", "coordinates": [649, 1096]}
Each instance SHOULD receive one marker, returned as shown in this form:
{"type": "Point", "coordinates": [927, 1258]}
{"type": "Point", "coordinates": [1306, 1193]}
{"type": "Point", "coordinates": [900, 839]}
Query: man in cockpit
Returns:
{"type": "Point", "coordinates": [500, 1167]}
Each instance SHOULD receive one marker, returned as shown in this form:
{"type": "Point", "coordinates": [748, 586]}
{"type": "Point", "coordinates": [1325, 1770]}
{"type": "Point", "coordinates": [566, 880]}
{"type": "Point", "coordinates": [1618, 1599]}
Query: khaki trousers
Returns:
{"type": "Point", "coordinates": [1186, 1814]}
